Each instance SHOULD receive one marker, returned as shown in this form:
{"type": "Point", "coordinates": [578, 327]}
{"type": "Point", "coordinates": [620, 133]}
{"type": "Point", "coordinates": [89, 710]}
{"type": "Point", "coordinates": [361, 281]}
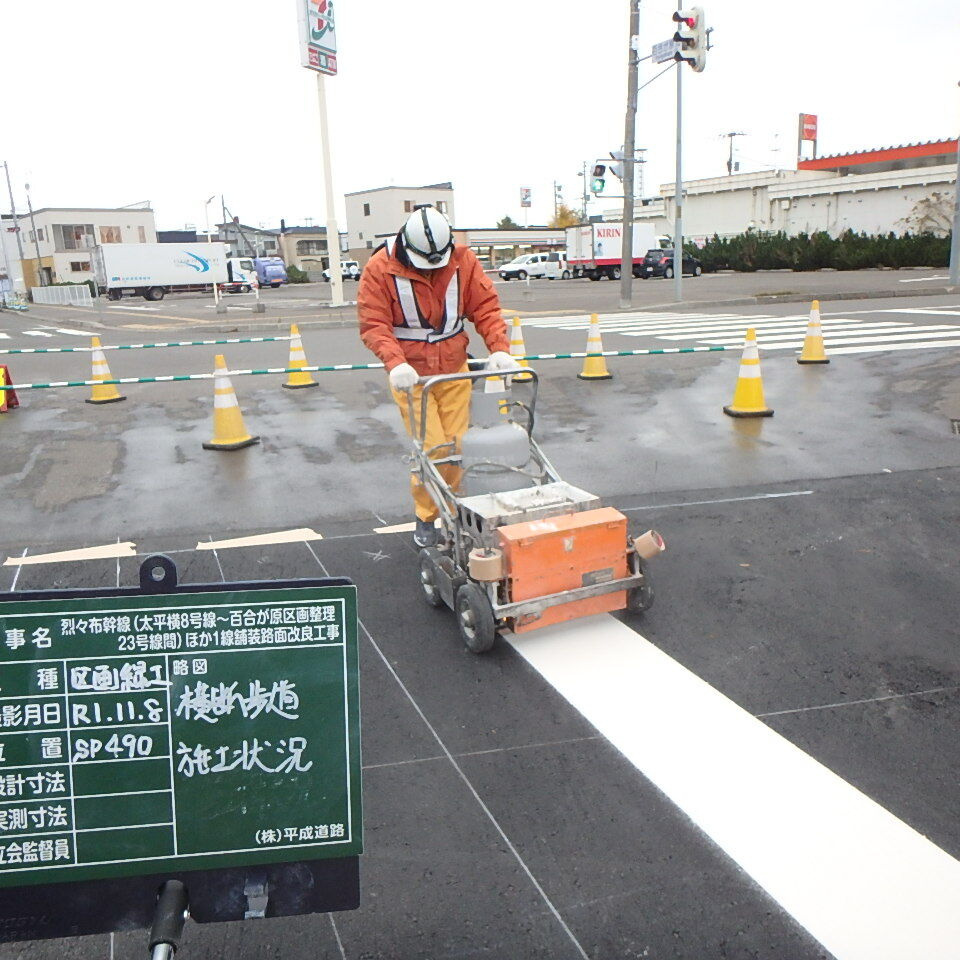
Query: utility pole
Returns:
{"type": "Point", "coordinates": [36, 238]}
{"type": "Point", "coordinates": [730, 137]}
{"type": "Point", "coordinates": [629, 167]}
{"type": "Point", "coordinates": [16, 222]}
{"type": "Point", "coordinates": [333, 231]}
{"type": "Point", "coordinates": [955, 233]}
{"type": "Point", "coordinates": [586, 192]}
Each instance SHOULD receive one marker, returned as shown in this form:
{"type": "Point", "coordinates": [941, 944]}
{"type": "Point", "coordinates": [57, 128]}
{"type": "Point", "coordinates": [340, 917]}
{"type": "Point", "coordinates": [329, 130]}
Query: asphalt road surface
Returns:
{"type": "Point", "coordinates": [763, 765]}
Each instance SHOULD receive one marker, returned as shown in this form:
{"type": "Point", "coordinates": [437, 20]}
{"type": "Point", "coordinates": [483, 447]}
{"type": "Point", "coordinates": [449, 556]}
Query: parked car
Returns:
{"type": "Point", "coordinates": [527, 265]}
{"type": "Point", "coordinates": [349, 270]}
{"type": "Point", "coordinates": [659, 263]}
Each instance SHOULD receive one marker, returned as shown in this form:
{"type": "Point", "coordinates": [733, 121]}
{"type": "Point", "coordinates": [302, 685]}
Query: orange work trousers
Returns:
{"type": "Point", "coordinates": [448, 416]}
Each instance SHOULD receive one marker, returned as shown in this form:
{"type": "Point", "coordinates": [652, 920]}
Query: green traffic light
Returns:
{"type": "Point", "coordinates": [598, 185]}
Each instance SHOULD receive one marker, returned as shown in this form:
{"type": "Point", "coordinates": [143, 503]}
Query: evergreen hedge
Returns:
{"type": "Point", "coordinates": [753, 250]}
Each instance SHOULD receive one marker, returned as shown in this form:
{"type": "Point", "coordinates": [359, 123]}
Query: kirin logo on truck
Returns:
{"type": "Point", "coordinates": [608, 232]}
{"type": "Point", "coordinates": [192, 260]}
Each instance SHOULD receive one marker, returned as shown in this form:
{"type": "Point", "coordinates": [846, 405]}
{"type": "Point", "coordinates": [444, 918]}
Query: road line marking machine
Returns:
{"type": "Point", "coordinates": [518, 547]}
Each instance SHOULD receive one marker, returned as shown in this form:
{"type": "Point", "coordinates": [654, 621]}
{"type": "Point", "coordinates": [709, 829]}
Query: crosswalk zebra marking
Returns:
{"type": "Point", "coordinates": [843, 333]}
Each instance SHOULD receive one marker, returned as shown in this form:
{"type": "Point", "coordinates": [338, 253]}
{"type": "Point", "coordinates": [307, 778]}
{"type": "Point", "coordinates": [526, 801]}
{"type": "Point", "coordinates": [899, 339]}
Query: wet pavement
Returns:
{"type": "Point", "coordinates": [810, 577]}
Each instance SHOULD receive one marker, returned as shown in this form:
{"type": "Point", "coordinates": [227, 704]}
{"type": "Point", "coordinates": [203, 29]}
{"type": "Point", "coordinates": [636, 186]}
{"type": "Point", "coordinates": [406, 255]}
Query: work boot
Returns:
{"type": "Point", "coordinates": [426, 534]}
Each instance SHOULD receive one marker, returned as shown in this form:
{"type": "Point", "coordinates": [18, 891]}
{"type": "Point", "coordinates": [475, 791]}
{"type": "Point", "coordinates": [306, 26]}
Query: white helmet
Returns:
{"type": "Point", "coordinates": [427, 238]}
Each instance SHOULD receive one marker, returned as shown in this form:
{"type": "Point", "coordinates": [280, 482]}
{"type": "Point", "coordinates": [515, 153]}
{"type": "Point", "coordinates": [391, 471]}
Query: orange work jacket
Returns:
{"type": "Point", "coordinates": [385, 279]}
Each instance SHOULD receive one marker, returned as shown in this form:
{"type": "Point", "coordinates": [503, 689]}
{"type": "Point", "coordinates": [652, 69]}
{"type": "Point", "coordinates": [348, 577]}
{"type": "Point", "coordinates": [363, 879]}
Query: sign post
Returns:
{"type": "Point", "coordinates": [806, 130]}
{"type": "Point", "coordinates": [204, 734]}
{"type": "Point", "coordinates": [318, 52]}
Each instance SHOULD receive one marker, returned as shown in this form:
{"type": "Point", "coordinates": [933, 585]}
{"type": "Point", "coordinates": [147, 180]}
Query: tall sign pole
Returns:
{"type": "Point", "coordinates": [16, 226]}
{"type": "Point", "coordinates": [318, 52]}
{"type": "Point", "coordinates": [629, 167]}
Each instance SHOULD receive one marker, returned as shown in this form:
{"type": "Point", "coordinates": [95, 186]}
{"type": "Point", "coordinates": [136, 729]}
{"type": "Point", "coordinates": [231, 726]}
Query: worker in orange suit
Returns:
{"type": "Point", "coordinates": [415, 293]}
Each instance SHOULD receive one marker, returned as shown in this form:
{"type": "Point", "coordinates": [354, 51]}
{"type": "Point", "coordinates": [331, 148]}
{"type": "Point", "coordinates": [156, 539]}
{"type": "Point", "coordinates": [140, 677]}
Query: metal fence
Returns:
{"type": "Point", "coordinates": [75, 295]}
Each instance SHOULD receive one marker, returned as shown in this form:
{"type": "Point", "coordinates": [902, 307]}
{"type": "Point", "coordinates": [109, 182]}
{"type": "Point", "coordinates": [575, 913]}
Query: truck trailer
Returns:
{"type": "Point", "coordinates": [593, 249]}
{"type": "Point", "coordinates": [152, 270]}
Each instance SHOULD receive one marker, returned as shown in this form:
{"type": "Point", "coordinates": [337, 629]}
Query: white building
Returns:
{"type": "Point", "coordinates": [58, 241]}
{"type": "Point", "coordinates": [874, 191]}
{"type": "Point", "coordinates": [373, 215]}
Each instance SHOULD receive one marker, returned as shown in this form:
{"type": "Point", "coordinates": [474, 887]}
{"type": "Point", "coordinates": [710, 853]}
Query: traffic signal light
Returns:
{"type": "Point", "coordinates": [692, 36]}
{"type": "Point", "coordinates": [617, 168]}
{"type": "Point", "coordinates": [598, 181]}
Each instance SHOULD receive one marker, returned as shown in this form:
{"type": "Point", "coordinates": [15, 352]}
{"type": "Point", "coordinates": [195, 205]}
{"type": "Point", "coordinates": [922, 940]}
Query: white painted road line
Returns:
{"type": "Point", "coordinates": [839, 351]}
{"type": "Point", "coordinates": [863, 883]}
{"type": "Point", "coordinates": [300, 535]}
{"type": "Point", "coordinates": [106, 552]}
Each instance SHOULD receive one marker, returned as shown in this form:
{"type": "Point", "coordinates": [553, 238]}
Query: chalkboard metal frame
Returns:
{"type": "Point", "coordinates": [84, 907]}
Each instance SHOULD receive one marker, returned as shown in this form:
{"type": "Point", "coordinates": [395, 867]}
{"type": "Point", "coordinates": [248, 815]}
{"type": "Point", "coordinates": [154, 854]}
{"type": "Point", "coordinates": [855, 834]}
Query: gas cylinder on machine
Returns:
{"type": "Point", "coordinates": [494, 448]}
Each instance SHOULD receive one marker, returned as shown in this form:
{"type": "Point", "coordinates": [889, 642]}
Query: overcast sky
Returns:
{"type": "Point", "coordinates": [113, 102]}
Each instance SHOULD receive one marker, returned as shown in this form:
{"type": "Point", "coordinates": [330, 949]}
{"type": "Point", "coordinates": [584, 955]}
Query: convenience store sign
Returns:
{"type": "Point", "coordinates": [184, 731]}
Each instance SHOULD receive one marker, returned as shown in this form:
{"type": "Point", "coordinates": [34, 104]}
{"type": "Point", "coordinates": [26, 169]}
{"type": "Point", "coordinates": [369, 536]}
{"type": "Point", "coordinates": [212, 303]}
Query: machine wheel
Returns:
{"type": "Point", "coordinates": [114, 294]}
{"type": "Point", "coordinates": [475, 618]}
{"type": "Point", "coordinates": [522, 275]}
{"type": "Point", "coordinates": [428, 578]}
{"type": "Point", "coordinates": [594, 274]}
{"type": "Point", "coordinates": [640, 598]}
{"type": "Point", "coordinates": [246, 288]}
{"type": "Point", "coordinates": [615, 273]}
{"type": "Point", "coordinates": [153, 293]}
{"type": "Point", "coordinates": [565, 275]}
{"type": "Point", "coordinates": [697, 270]}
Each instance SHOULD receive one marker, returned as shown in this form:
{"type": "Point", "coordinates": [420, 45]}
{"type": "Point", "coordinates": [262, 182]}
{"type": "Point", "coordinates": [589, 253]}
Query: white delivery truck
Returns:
{"type": "Point", "coordinates": [593, 249]}
{"type": "Point", "coordinates": [152, 270]}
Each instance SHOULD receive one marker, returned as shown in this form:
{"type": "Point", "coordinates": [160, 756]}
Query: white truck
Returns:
{"type": "Point", "coordinates": [152, 270]}
{"type": "Point", "coordinates": [593, 249]}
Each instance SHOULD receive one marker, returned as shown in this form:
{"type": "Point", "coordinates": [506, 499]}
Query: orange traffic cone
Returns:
{"type": "Point", "coordinates": [748, 398]}
{"type": "Point", "coordinates": [101, 393]}
{"type": "Point", "coordinates": [229, 432]}
{"type": "Point", "coordinates": [517, 348]}
{"type": "Point", "coordinates": [813, 349]}
{"type": "Point", "coordinates": [594, 364]}
{"type": "Point", "coordinates": [8, 398]}
{"type": "Point", "coordinates": [298, 360]}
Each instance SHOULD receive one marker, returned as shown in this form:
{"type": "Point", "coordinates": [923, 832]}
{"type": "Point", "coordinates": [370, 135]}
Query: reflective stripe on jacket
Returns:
{"type": "Point", "coordinates": [408, 316]}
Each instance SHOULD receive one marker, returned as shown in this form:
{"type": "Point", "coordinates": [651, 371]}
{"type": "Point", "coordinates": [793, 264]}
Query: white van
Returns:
{"type": "Point", "coordinates": [556, 266]}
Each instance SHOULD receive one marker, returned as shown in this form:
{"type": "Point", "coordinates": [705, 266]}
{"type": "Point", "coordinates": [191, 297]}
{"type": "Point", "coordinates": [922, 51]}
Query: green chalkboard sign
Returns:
{"type": "Point", "coordinates": [182, 731]}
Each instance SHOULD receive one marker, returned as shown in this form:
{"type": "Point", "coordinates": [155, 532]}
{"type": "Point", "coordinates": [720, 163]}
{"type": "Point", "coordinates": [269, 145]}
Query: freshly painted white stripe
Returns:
{"type": "Point", "coordinates": [4, 336]}
{"type": "Point", "coordinates": [72, 333]}
{"type": "Point", "coordinates": [261, 540]}
{"type": "Point", "coordinates": [862, 882]}
{"type": "Point", "coordinates": [931, 311]}
{"type": "Point", "coordinates": [37, 333]}
{"type": "Point", "coordinates": [851, 326]}
{"type": "Point", "coordinates": [922, 279]}
{"type": "Point", "coordinates": [106, 552]}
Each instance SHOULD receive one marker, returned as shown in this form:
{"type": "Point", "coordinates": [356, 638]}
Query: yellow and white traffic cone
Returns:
{"type": "Point", "coordinates": [813, 350]}
{"type": "Point", "coordinates": [517, 348]}
{"type": "Point", "coordinates": [229, 433]}
{"type": "Point", "coordinates": [100, 392]}
{"type": "Point", "coordinates": [748, 398]}
{"type": "Point", "coordinates": [298, 359]}
{"type": "Point", "coordinates": [594, 364]}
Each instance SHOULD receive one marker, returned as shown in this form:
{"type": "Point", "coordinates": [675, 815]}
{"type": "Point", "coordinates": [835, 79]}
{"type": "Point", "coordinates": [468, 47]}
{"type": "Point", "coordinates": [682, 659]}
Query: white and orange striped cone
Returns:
{"type": "Point", "coordinates": [101, 392]}
{"type": "Point", "coordinates": [594, 364]}
{"type": "Point", "coordinates": [813, 349]}
{"type": "Point", "coordinates": [518, 349]}
{"type": "Point", "coordinates": [748, 400]}
{"type": "Point", "coordinates": [298, 359]}
{"type": "Point", "coordinates": [229, 433]}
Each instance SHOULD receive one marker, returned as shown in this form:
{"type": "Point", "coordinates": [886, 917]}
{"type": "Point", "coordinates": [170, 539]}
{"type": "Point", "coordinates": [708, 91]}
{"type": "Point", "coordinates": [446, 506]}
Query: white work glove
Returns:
{"type": "Point", "coordinates": [403, 377]}
{"type": "Point", "coordinates": [501, 362]}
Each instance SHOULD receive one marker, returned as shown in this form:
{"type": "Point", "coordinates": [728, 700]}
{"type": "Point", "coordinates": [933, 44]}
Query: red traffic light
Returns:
{"type": "Point", "coordinates": [691, 22]}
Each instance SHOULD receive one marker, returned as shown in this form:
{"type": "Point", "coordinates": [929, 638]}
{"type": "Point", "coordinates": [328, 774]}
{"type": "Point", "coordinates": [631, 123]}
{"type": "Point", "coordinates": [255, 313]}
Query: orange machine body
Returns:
{"type": "Point", "coordinates": [563, 553]}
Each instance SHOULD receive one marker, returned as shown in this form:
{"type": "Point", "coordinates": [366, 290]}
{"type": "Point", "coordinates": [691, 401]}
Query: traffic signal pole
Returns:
{"type": "Point", "coordinates": [955, 233]}
{"type": "Point", "coordinates": [678, 198]}
{"type": "Point", "coordinates": [629, 167]}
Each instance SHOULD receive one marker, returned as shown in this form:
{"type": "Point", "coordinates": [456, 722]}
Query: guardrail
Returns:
{"type": "Point", "coordinates": [74, 295]}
